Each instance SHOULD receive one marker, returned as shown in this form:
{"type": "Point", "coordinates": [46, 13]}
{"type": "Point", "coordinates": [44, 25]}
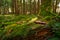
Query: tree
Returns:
{"type": "Point", "coordinates": [39, 8]}
{"type": "Point", "coordinates": [20, 5]}
{"type": "Point", "coordinates": [15, 6]}
{"type": "Point", "coordinates": [0, 5]}
{"type": "Point", "coordinates": [54, 5]}
{"type": "Point", "coordinates": [30, 7]}
{"type": "Point", "coordinates": [24, 7]}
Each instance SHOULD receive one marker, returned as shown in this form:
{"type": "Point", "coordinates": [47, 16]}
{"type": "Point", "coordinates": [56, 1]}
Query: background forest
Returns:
{"type": "Point", "coordinates": [29, 19]}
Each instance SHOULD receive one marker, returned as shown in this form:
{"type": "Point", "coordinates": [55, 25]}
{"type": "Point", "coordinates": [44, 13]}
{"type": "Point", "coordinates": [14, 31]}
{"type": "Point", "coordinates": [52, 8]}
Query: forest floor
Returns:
{"type": "Point", "coordinates": [38, 29]}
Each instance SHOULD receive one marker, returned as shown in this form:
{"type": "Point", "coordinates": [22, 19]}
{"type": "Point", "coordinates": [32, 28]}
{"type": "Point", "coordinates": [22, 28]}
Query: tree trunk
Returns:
{"type": "Point", "coordinates": [15, 7]}
{"type": "Point", "coordinates": [54, 7]}
{"type": "Point", "coordinates": [34, 6]}
{"type": "Point", "coordinates": [0, 5]}
{"type": "Point", "coordinates": [30, 7]}
{"type": "Point", "coordinates": [38, 5]}
{"type": "Point", "coordinates": [24, 7]}
{"type": "Point", "coordinates": [20, 7]}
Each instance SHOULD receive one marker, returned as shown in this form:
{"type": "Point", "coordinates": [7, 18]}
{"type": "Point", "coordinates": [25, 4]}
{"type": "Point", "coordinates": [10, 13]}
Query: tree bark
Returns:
{"type": "Point", "coordinates": [15, 7]}
{"type": "Point", "coordinates": [54, 7]}
{"type": "Point", "coordinates": [24, 7]}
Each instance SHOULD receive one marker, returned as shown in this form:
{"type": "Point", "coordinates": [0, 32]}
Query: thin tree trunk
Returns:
{"type": "Point", "coordinates": [30, 7]}
{"type": "Point", "coordinates": [23, 6]}
{"type": "Point", "coordinates": [0, 6]}
{"type": "Point", "coordinates": [39, 9]}
{"type": "Point", "coordinates": [34, 6]}
{"type": "Point", "coordinates": [16, 7]}
{"type": "Point", "coordinates": [54, 6]}
{"type": "Point", "coordinates": [0, 10]}
{"type": "Point", "coordinates": [38, 5]}
{"type": "Point", "coordinates": [20, 7]}
{"type": "Point", "coordinates": [13, 6]}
